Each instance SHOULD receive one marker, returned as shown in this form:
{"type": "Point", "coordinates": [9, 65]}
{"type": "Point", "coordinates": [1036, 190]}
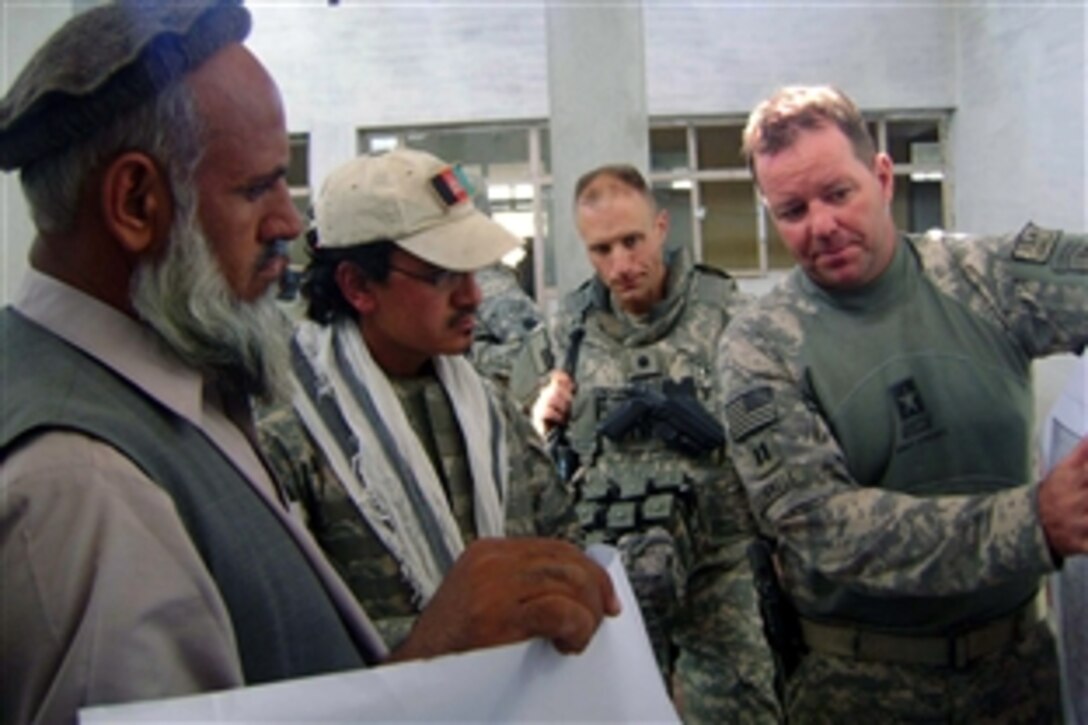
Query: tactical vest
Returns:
{"type": "Point", "coordinates": [636, 480]}
{"type": "Point", "coordinates": [639, 487]}
{"type": "Point", "coordinates": [284, 620]}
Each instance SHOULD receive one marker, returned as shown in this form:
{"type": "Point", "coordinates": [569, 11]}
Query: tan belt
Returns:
{"type": "Point", "coordinates": [953, 651]}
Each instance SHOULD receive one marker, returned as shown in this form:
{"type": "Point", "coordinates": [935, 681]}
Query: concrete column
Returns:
{"type": "Point", "coordinates": [597, 97]}
{"type": "Point", "coordinates": [331, 144]}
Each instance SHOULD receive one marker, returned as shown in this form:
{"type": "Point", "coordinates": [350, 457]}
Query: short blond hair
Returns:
{"type": "Point", "coordinates": [775, 123]}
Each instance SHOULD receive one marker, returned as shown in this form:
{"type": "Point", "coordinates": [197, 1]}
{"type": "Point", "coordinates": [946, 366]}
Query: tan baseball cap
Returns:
{"type": "Point", "coordinates": [414, 199]}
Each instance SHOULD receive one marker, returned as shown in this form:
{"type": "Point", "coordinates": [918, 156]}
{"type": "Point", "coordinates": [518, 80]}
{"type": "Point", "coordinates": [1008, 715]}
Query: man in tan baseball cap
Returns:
{"type": "Point", "coordinates": [399, 451]}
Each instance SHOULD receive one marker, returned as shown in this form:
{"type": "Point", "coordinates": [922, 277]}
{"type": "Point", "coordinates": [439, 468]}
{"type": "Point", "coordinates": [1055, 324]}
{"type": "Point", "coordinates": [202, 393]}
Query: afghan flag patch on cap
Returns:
{"type": "Point", "coordinates": [452, 185]}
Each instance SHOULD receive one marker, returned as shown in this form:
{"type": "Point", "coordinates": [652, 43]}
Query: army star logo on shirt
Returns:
{"type": "Point", "coordinates": [751, 412]}
{"type": "Point", "coordinates": [914, 419]}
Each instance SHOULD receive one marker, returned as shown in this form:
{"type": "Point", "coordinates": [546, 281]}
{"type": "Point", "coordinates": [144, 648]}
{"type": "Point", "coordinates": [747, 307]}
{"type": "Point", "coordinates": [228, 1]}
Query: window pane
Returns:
{"type": "Point", "coordinates": [547, 208]}
{"type": "Point", "coordinates": [675, 198]}
{"type": "Point", "coordinates": [719, 147]}
{"type": "Point", "coordinates": [730, 235]}
{"type": "Point", "coordinates": [297, 250]}
{"type": "Point", "coordinates": [874, 133]}
{"type": "Point", "coordinates": [917, 206]}
{"type": "Point", "coordinates": [485, 147]}
{"type": "Point", "coordinates": [545, 151]}
{"type": "Point", "coordinates": [298, 168]}
{"type": "Point", "coordinates": [668, 149]}
{"type": "Point", "coordinates": [298, 181]}
{"type": "Point", "coordinates": [914, 142]}
{"type": "Point", "coordinates": [378, 141]}
{"type": "Point", "coordinates": [778, 255]}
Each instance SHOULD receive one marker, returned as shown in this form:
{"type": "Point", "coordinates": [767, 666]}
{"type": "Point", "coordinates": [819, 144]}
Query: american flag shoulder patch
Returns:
{"type": "Point", "coordinates": [750, 412]}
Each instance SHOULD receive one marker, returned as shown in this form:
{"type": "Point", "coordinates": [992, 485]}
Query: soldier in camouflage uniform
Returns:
{"type": "Point", "coordinates": [506, 318]}
{"type": "Point", "coordinates": [638, 403]}
{"type": "Point", "coordinates": [398, 452]}
{"type": "Point", "coordinates": [879, 410]}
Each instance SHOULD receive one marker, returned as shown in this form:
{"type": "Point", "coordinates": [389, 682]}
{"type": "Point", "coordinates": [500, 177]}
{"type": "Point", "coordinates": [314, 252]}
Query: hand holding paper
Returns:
{"type": "Point", "coordinates": [1063, 503]}
{"type": "Point", "coordinates": [614, 680]}
{"type": "Point", "coordinates": [509, 590]}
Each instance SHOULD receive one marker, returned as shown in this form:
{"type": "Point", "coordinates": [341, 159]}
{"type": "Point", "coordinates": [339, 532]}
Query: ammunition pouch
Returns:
{"type": "Point", "coordinates": [645, 512]}
{"type": "Point", "coordinates": [627, 501]}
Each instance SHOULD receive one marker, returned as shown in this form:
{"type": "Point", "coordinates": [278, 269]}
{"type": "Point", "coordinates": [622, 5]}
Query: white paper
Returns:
{"type": "Point", "coordinates": [614, 680]}
{"type": "Point", "coordinates": [1065, 426]}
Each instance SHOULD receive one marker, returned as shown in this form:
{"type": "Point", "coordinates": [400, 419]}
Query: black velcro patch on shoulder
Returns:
{"type": "Point", "coordinates": [750, 412]}
{"type": "Point", "coordinates": [1035, 244]}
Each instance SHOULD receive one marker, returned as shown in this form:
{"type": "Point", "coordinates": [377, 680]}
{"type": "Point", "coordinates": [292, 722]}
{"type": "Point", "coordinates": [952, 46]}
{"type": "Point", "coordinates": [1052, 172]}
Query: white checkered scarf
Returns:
{"type": "Point", "coordinates": [384, 468]}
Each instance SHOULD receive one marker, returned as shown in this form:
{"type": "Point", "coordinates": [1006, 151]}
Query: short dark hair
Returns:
{"type": "Point", "coordinates": [626, 174]}
{"type": "Point", "coordinates": [325, 303]}
{"type": "Point", "coordinates": [776, 122]}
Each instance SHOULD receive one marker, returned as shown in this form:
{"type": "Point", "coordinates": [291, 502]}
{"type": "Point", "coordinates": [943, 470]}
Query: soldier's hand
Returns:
{"type": "Point", "coordinates": [1063, 503]}
{"type": "Point", "coordinates": [508, 590]}
{"type": "Point", "coordinates": [552, 406]}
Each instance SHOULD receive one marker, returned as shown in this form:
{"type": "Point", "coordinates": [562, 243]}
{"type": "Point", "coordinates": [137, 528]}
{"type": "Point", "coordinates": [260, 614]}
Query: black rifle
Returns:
{"type": "Point", "coordinates": [564, 455]}
{"type": "Point", "coordinates": [780, 623]}
{"type": "Point", "coordinates": [674, 416]}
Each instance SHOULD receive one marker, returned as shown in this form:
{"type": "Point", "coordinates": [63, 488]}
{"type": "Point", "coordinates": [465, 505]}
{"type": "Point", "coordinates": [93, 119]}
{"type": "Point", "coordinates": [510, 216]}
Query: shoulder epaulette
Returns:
{"type": "Point", "coordinates": [576, 302]}
{"type": "Point", "coordinates": [713, 286]}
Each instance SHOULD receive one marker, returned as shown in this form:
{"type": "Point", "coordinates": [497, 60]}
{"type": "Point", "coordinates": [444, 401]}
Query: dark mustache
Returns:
{"type": "Point", "coordinates": [461, 315]}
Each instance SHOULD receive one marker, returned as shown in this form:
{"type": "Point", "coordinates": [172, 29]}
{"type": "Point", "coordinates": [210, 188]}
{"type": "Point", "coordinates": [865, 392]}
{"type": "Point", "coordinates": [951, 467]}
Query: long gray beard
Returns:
{"type": "Point", "coordinates": [185, 298]}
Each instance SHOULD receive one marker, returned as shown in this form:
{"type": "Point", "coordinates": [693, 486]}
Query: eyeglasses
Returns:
{"type": "Point", "coordinates": [437, 277]}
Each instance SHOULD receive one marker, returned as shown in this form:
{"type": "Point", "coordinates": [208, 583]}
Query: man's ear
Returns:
{"type": "Point", "coordinates": [137, 206]}
{"type": "Point", "coordinates": [355, 288]}
{"type": "Point", "coordinates": [661, 222]}
{"type": "Point", "coordinates": [885, 175]}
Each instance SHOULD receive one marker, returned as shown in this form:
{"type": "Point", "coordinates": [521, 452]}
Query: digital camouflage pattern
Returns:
{"type": "Point", "coordinates": [883, 439]}
{"type": "Point", "coordinates": [507, 315]}
{"type": "Point", "coordinates": [999, 691]}
{"type": "Point", "coordinates": [680, 520]}
{"type": "Point", "coordinates": [539, 504]}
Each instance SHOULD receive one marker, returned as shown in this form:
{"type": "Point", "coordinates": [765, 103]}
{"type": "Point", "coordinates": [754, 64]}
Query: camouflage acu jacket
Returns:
{"type": "Point", "coordinates": [538, 503]}
{"type": "Point", "coordinates": [883, 435]}
{"type": "Point", "coordinates": [507, 315]}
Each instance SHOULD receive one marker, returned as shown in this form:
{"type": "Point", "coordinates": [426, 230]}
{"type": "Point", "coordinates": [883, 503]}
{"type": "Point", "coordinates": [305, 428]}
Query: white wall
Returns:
{"type": "Point", "coordinates": [24, 25]}
{"type": "Point", "coordinates": [1019, 135]}
{"type": "Point", "coordinates": [381, 64]}
{"type": "Point", "coordinates": [724, 57]}
{"type": "Point", "coordinates": [386, 64]}
{"type": "Point", "coordinates": [363, 64]}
